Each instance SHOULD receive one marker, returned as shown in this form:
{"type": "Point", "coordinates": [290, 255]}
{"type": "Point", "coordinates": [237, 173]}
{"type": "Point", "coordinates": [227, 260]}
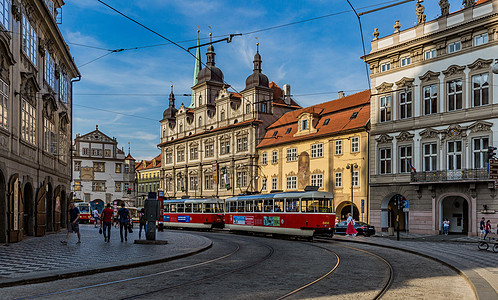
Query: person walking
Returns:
{"type": "Point", "coordinates": [124, 220]}
{"type": "Point", "coordinates": [74, 216]}
{"type": "Point", "coordinates": [143, 223]}
{"type": "Point", "coordinates": [446, 226]}
{"type": "Point", "coordinates": [482, 228]}
{"type": "Point", "coordinates": [350, 230]}
{"type": "Point", "coordinates": [107, 216]}
{"type": "Point", "coordinates": [95, 217]}
{"type": "Point", "coordinates": [487, 229]}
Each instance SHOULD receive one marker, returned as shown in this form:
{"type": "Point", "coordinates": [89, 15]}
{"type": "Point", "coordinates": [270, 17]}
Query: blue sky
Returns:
{"type": "Point", "coordinates": [126, 92]}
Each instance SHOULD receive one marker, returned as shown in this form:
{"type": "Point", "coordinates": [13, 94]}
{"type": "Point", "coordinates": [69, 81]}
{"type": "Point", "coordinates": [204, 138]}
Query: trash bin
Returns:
{"type": "Point", "coordinates": [160, 227]}
{"type": "Point", "coordinates": [390, 231]}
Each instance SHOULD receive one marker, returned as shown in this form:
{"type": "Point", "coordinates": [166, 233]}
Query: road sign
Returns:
{"type": "Point", "coordinates": [362, 205]}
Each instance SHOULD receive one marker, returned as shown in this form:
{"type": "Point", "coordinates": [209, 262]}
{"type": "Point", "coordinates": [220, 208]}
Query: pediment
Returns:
{"type": "Point", "coordinates": [64, 120]}
{"type": "Point", "coordinates": [454, 70]}
{"type": "Point", "coordinates": [405, 136]}
{"type": "Point", "coordinates": [384, 139]}
{"type": "Point", "coordinates": [405, 82]}
{"type": "Point", "coordinates": [384, 87]}
{"type": "Point", "coordinates": [429, 76]}
{"type": "Point", "coordinates": [480, 64]}
{"type": "Point", "coordinates": [209, 141]}
{"type": "Point", "coordinates": [29, 87]}
{"type": "Point", "coordinates": [480, 126]}
{"type": "Point", "coordinates": [97, 136]}
{"type": "Point", "coordinates": [49, 106]}
{"type": "Point", "coordinates": [429, 133]}
{"type": "Point", "coordinates": [317, 171]}
{"type": "Point", "coordinates": [454, 132]}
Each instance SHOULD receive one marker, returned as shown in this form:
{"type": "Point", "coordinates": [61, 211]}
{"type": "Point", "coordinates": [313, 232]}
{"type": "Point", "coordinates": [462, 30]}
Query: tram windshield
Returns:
{"type": "Point", "coordinates": [84, 208]}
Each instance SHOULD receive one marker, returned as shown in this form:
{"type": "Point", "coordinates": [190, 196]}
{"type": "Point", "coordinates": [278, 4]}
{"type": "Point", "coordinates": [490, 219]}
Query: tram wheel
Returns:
{"type": "Point", "coordinates": [495, 248]}
{"type": "Point", "coordinates": [483, 246]}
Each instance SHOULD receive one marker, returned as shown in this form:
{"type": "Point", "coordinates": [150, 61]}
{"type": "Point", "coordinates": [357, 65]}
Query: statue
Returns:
{"type": "Point", "coordinates": [376, 33]}
{"type": "Point", "coordinates": [397, 26]}
{"type": "Point", "coordinates": [420, 13]}
{"type": "Point", "coordinates": [445, 7]}
{"type": "Point", "coordinates": [468, 3]}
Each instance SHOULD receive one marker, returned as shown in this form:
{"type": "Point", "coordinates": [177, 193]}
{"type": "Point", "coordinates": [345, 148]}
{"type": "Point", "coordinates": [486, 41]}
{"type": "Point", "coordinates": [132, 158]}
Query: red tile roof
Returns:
{"type": "Point", "coordinates": [339, 112]}
{"type": "Point", "coordinates": [129, 157]}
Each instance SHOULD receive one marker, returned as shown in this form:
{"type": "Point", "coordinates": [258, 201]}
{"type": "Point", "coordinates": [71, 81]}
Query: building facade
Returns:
{"type": "Point", "coordinates": [102, 173]}
{"type": "Point", "coordinates": [148, 174]}
{"type": "Point", "coordinates": [325, 146]}
{"type": "Point", "coordinates": [209, 148]}
{"type": "Point", "coordinates": [433, 116]}
{"type": "Point", "coordinates": [36, 75]}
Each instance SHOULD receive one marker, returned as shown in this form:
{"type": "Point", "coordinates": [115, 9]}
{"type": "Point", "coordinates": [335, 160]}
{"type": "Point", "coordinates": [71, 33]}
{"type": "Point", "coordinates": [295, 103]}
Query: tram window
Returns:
{"type": "Point", "coordinates": [207, 207]}
{"type": "Point", "coordinates": [309, 205]}
{"type": "Point", "coordinates": [268, 205]}
{"type": "Point", "coordinates": [196, 207]}
{"type": "Point", "coordinates": [249, 205]}
{"type": "Point", "coordinates": [233, 206]}
{"type": "Point", "coordinates": [258, 205]}
{"type": "Point", "coordinates": [166, 208]}
{"type": "Point", "coordinates": [291, 205]}
{"type": "Point", "coordinates": [324, 206]}
{"type": "Point", "coordinates": [278, 206]}
{"type": "Point", "coordinates": [180, 207]}
{"type": "Point", "coordinates": [188, 207]}
{"type": "Point", "coordinates": [241, 206]}
{"type": "Point", "coordinates": [218, 208]}
{"type": "Point", "coordinates": [173, 207]}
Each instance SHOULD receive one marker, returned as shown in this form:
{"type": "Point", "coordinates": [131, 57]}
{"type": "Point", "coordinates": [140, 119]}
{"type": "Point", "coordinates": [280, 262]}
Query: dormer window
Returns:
{"type": "Point", "coordinates": [385, 67]}
{"type": "Point", "coordinates": [264, 107]}
{"type": "Point", "coordinates": [454, 47]}
{"type": "Point", "coordinates": [326, 122]}
{"type": "Point", "coordinates": [275, 133]}
{"type": "Point", "coordinates": [480, 39]}
{"type": "Point", "coordinates": [304, 124]}
{"type": "Point", "coordinates": [288, 130]}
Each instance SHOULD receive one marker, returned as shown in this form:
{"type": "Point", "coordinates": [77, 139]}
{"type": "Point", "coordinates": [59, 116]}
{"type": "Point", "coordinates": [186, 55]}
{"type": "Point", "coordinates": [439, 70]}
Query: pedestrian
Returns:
{"type": "Point", "coordinates": [107, 215]}
{"type": "Point", "coordinates": [143, 222]}
{"type": "Point", "coordinates": [482, 227]}
{"type": "Point", "coordinates": [74, 216]}
{"type": "Point", "coordinates": [95, 217]}
{"type": "Point", "coordinates": [487, 229]}
{"type": "Point", "coordinates": [124, 220]}
{"type": "Point", "coordinates": [446, 226]}
{"type": "Point", "coordinates": [350, 230]}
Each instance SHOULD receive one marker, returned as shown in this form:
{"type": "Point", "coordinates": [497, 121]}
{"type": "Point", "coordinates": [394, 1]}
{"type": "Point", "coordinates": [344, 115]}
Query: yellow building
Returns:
{"type": "Point", "coordinates": [148, 178]}
{"type": "Point", "coordinates": [326, 146]}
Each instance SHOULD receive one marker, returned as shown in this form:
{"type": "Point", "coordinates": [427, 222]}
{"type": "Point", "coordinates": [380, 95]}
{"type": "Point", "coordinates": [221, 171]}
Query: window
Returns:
{"type": "Point", "coordinates": [209, 150]}
{"type": "Point", "coordinates": [454, 155]}
{"type": "Point", "coordinates": [5, 13]}
{"type": "Point", "coordinates": [169, 157]}
{"type": "Point", "coordinates": [405, 61]}
{"type": "Point", "coordinates": [338, 179]}
{"type": "Point", "coordinates": [274, 157]}
{"type": "Point", "coordinates": [316, 150]}
{"type": "Point", "coordinates": [454, 47]}
{"type": "Point", "coordinates": [117, 187]}
{"type": "Point", "coordinates": [99, 167]}
{"type": "Point", "coordinates": [50, 6]}
{"type": "Point", "coordinates": [480, 89]}
{"type": "Point", "coordinates": [326, 122]}
{"type": "Point", "coordinates": [264, 159]}
{"type": "Point", "coordinates": [49, 70]}
{"type": "Point", "coordinates": [4, 101]}
{"type": "Point", "coordinates": [118, 168]}
{"type": "Point", "coordinates": [454, 94]}
{"type": "Point", "coordinates": [480, 39]}
{"type": "Point", "coordinates": [385, 160]}
{"type": "Point", "coordinates": [385, 108]}
{"type": "Point", "coordinates": [274, 183]}
{"type": "Point", "coordinates": [430, 157]}
{"type": "Point", "coordinates": [292, 182]}
{"type": "Point", "coordinates": [304, 124]}
{"type": "Point", "coordinates": [200, 121]}
{"type": "Point", "coordinates": [126, 168]}
{"type": "Point", "coordinates": [480, 152]}
{"type": "Point", "coordinates": [222, 116]}
{"type": "Point", "coordinates": [77, 185]}
{"type": "Point", "coordinates": [338, 147]}
{"type": "Point", "coordinates": [248, 108]}
{"type": "Point", "coordinates": [275, 134]}
{"type": "Point", "coordinates": [405, 105]}
{"type": "Point", "coordinates": [107, 152]}
{"type": "Point", "coordinates": [263, 184]}
{"type": "Point", "coordinates": [63, 148]}
{"type": "Point", "coordinates": [291, 154]}
{"type": "Point", "coordinates": [225, 147]}
{"type": "Point", "coordinates": [405, 159]}
{"type": "Point", "coordinates": [49, 137]}
{"type": "Point", "coordinates": [98, 186]}
{"type": "Point", "coordinates": [96, 152]}
{"type": "Point", "coordinates": [194, 153]}
{"type": "Point", "coordinates": [29, 40]}
{"type": "Point", "coordinates": [242, 179]}
{"type": "Point", "coordinates": [288, 130]}
{"type": "Point", "coordinates": [242, 144]}
{"type": "Point", "coordinates": [264, 107]}
{"type": "Point", "coordinates": [430, 99]}
{"type": "Point", "coordinates": [356, 178]}
{"type": "Point", "coordinates": [193, 183]}
{"type": "Point", "coordinates": [179, 184]}
{"type": "Point", "coordinates": [430, 54]}
{"type": "Point", "coordinates": [317, 180]}
{"type": "Point", "coordinates": [28, 122]}
{"type": "Point", "coordinates": [63, 88]}
{"type": "Point", "coordinates": [180, 155]}
{"type": "Point", "coordinates": [85, 151]}
{"type": "Point", "coordinates": [385, 67]}
{"type": "Point", "coordinates": [208, 182]}
{"type": "Point", "coordinates": [355, 144]}
{"type": "Point", "coordinates": [77, 165]}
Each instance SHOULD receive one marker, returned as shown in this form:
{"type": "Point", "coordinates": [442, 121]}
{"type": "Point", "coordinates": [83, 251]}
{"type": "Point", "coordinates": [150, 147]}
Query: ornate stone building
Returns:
{"type": "Point", "coordinates": [148, 174]}
{"type": "Point", "coordinates": [209, 148]}
{"type": "Point", "coordinates": [434, 115]}
{"type": "Point", "coordinates": [36, 75]}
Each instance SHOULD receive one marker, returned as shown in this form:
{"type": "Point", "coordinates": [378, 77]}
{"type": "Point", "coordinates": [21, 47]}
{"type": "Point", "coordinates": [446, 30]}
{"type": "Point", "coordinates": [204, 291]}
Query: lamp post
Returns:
{"type": "Point", "coordinates": [352, 166]}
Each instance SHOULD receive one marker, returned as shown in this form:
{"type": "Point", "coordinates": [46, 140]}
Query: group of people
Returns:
{"type": "Point", "coordinates": [485, 228]}
{"type": "Point", "coordinates": [106, 218]}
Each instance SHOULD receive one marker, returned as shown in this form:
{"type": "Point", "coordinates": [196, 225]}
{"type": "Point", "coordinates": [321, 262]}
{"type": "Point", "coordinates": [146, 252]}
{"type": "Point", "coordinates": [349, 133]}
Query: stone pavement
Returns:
{"type": "Point", "coordinates": [41, 259]}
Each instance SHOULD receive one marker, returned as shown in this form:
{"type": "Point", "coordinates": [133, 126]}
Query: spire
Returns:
{"type": "Point", "coordinates": [197, 69]}
{"type": "Point", "coordinates": [257, 60]}
{"type": "Point", "coordinates": [171, 98]}
{"type": "Point", "coordinates": [210, 52]}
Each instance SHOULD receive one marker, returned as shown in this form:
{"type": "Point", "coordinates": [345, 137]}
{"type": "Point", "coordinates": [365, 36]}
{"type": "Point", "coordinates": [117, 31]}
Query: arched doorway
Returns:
{"type": "Point", "coordinates": [49, 208]}
{"type": "Point", "coordinates": [98, 204]}
{"type": "Point", "coordinates": [15, 210]}
{"type": "Point", "coordinates": [3, 209]}
{"type": "Point", "coordinates": [456, 210]}
{"type": "Point", "coordinates": [29, 210]}
{"type": "Point", "coordinates": [41, 216]}
{"type": "Point", "coordinates": [345, 208]}
{"type": "Point", "coordinates": [394, 211]}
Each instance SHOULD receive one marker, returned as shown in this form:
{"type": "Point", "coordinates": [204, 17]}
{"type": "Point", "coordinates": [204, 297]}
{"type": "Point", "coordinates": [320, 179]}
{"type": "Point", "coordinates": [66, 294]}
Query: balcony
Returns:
{"type": "Point", "coordinates": [450, 175]}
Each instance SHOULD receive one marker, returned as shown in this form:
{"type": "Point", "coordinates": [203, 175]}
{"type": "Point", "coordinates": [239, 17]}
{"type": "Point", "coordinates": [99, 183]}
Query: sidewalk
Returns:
{"type": "Point", "coordinates": [459, 238]}
{"type": "Point", "coordinates": [45, 258]}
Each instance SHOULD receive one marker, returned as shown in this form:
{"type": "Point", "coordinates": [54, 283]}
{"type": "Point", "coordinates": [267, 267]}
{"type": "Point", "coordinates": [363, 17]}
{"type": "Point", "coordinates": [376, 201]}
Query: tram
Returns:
{"type": "Point", "coordinates": [193, 213]}
{"type": "Point", "coordinates": [85, 212]}
{"type": "Point", "coordinates": [306, 214]}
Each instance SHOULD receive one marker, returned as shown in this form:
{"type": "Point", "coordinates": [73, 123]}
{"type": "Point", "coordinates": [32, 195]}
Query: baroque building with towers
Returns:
{"type": "Point", "coordinates": [208, 148]}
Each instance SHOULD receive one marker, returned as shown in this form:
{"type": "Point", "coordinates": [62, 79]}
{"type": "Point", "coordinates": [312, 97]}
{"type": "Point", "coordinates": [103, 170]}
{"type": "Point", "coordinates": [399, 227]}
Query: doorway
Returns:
{"type": "Point", "coordinates": [346, 209]}
{"type": "Point", "coordinates": [456, 210]}
{"type": "Point", "coordinates": [393, 212]}
{"type": "Point", "coordinates": [29, 209]}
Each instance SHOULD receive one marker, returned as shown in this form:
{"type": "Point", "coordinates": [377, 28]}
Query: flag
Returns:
{"type": "Point", "coordinates": [413, 168]}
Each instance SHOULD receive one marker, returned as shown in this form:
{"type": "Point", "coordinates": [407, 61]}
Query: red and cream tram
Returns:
{"type": "Point", "coordinates": [290, 213]}
{"type": "Point", "coordinates": [193, 213]}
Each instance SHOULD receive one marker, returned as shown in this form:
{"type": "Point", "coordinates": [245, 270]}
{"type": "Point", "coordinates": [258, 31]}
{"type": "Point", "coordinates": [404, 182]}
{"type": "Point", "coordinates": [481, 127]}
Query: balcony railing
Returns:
{"type": "Point", "coordinates": [450, 175]}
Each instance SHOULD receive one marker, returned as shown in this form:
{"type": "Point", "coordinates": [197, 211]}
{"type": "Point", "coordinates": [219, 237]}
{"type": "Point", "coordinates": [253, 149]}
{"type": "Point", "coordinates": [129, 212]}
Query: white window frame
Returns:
{"type": "Point", "coordinates": [430, 153]}
{"type": "Point", "coordinates": [274, 157]}
{"type": "Point", "coordinates": [480, 153]}
{"type": "Point", "coordinates": [355, 144]}
{"type": "Point", "coordinates": [453, 157]}
{"type": "Point", "coordinates": [356, 178]}
{"type": "Point", "coordinates": [385, 106]}
{"type": "Point", "coordinates": [291, 154]}
{"type": "Point", "coordinates": [180, 155]}
{"type": "Point", "coordinates": [338, 179]}
{"type": "Point", "coordinates": [317, 150]}
{"type": "Point", "coordinates": [304, 124]}
{"type": "Point", "coordinates": [264, 184]}
{"type": "Point", "coordinates": [317, 180]}
{"type": "Point", "coordinates": [431, 99]}
{"type": "Point", "coordinates": [452, 97]}
{"type": "Point", "coordinates": [384, 67]}
{"type": "Point", "coordinates": [264, 158]}
{"type": "Point", "coordinates": [481, 88]}
{"type": "Point", "coordinates": [29, 39]}
{"type": "Point", "coordinates": [405, 157]}
{"type": "Point", "coordinates": [405, 61]}
{"type": "Point", "coordinates": [208, 181]}
{"type": "Point", "coordinates": [292, 182]}
{"type": "Point", "coordinates": [405, 104]}
{"type": "Point", "coordinates": [481, 39]}
{"type": "Point", "coordinates": [431, 53]}
{"type": "Point", "coordinates": [385, 161]}
{"type": "Point", "coordinates": [274, 183]}
{"type": "Point", "coordinates": [194, 183]}
{"type": "Point", "coordinates": [338, 147]}
{"type": "Point", "coordinates": [454, 47]}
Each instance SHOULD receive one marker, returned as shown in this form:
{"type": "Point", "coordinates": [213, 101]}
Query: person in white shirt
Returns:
{"type": "Point", "coordinates": [96, 216]}
{"type": "Point", "coordinates": [446, 226]}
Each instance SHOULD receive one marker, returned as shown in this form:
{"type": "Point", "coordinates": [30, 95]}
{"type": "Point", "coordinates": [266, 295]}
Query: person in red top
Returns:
{"type": "Point", "coordinates": [107, 215]}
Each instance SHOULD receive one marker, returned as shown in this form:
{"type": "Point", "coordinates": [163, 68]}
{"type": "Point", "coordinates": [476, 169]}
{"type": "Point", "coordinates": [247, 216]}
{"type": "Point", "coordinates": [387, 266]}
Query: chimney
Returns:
{"type": "Point", "coordinates": [341, 94]}
{"type": "Point", "coordinates": [287, 94]}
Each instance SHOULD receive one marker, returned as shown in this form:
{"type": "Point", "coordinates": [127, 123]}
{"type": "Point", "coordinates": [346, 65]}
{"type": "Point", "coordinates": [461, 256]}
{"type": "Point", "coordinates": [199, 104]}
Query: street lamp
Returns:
{"type": "Point", "coordinates": [352, 166]}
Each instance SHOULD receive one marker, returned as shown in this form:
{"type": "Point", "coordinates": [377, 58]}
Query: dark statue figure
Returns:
{"type": "Point", "coordinates": [468, 3]}
{"type": "Point", "coordinates": [445, 7]}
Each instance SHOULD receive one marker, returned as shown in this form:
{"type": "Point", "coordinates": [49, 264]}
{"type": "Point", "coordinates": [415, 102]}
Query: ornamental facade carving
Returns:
{"type": "Point", "coordinates": [384, 139]}
{"type": "Point", "coordinates": [405, 82]}
{"type": "Point", "coordinates": [429, 76]}
{"type": "Point", "coordinates": [454, 132]}
{"type": "Point", "coordinates": [480, 126]}
{"type": "Point", "coordinates": [405, 136]}
{"type": "Point", "coordinates": [384, 87]}
{"type": "Point", "coordinates": [454, 70]}
{"type": "Point", "coordinates": [480, 64]}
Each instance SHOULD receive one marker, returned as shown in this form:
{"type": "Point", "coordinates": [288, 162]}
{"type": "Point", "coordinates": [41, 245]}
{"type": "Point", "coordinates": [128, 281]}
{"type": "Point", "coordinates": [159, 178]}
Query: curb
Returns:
{"type": "Point", "coordinates": [489, 290]}
{"type": "Point", "coordinates": [11, 283]}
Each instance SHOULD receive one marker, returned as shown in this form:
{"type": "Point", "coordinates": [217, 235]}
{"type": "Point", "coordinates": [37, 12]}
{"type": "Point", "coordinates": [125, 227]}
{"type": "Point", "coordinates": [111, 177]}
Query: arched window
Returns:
{"type": "Point", "coordinates": [200, 121]}
{"type": "Point", "coordinates": [222, 116]}
{"type": "Point", "coordinates": [200, 100]}
{"type": "Point", "coordinates": [181, 127]}
{"type": "Point", "coordinates": [248, 108]}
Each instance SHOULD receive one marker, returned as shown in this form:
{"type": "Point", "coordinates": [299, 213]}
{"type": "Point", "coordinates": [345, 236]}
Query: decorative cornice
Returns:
{"type": "Point", "coordinates": [480, 64]}
{"type": "Point", "coordinates": [453, 70]}
{"type": "Point", "coordinates": [429, 76]}
{"type": "Point", "coordinates": [384, 139]}
{"type": "Point", "coordinates": [405, 82]}
{"type": "Point", "coordinates": [405, 136]}
{"type": "Point", "coordinates": [384, 87]}
{"type": "Point", "coordinates": [480, 126]}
